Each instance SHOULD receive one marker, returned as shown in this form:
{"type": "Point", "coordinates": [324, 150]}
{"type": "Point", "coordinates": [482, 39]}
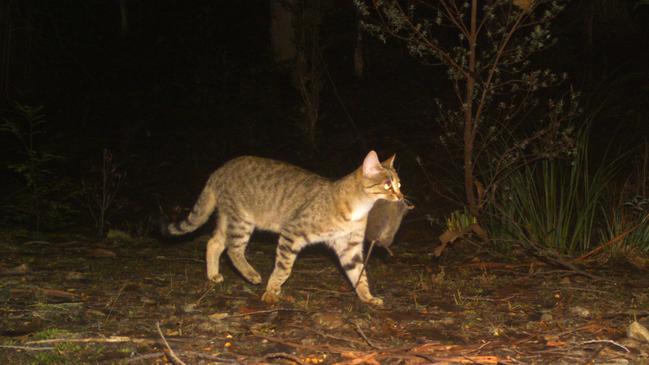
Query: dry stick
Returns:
{"type": "Point", "coordinates": [263, 312]}
{"type": "Point", "coordinates": [171, 354]}
{"type": "Point", "coordinates": [556, 259]}
{"type": "Point", "coordinates": [613, 240]}
{"type": "Point", "coordinates": [362, 334]}
{"type": "Point", "coordinates": [359, 135]}
{"type": "Point", "coordinates": [112, 303]}
{"type": "Point", "coordinates": [333, 337]}
{"type": "Point", "coordinates": [201, 355]}
{"type": "Point", "coordinates": [111, 339]}
{"type": "Point", "coordinates": [611, 342]}
{"type": "Point", "coordinates": [212, 285]}
{"type": "Point", "coordinates": [330, 348]}
{"type": "Point", "coordinates": [26, 348]}
{"type": "Point", "coordinates": [283, 355]}
{"type": "Point", "coordinates": [152, 355]}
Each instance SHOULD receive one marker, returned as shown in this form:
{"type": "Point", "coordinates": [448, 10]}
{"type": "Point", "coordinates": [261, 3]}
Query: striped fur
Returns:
{"type": "Point", "coordinates": [303, 208]}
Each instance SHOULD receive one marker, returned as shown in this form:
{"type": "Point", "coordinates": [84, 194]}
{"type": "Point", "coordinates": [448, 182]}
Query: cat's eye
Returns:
{"type": "Point", "coordinates": [387, 185]}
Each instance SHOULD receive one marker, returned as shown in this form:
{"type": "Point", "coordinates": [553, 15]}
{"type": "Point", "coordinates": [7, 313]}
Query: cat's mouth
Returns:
{"type": "Point", "coordinates": [396, 196]}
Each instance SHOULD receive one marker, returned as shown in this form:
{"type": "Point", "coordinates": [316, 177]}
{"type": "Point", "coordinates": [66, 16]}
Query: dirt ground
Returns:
{"type": "Point", "coordinates": [72, 300]}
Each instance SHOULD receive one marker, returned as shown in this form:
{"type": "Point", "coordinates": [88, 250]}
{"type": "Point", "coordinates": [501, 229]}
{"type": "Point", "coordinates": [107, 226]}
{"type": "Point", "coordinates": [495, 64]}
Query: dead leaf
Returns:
{"type": "Point", "coordinates": [525, 5]}
{"type": "Point", "coordinates": [479, 231]}
{"type": "Point", "coordinates": [431, 347]}
{"type": "Point", "coordinates": [58, 293]}
{"type": "Point", "coordinates": [439, 249]}
{"type": "Point", "coordinates": [638, 332]}
{"type": "Point", "coordinates": [246, 310]}
{"type": "Point", "coordinates": [555, 343]}
{"type": "Point", "coordinates": [21, 269]}
{"type": "Point", "coordinates": [358, 358]}
{"type": "Point", "coordinates": [218, 316]}
{"type": "Point", "coordinates": [445, 238]}
{"type": "Point", "coordinates": [101, 253]}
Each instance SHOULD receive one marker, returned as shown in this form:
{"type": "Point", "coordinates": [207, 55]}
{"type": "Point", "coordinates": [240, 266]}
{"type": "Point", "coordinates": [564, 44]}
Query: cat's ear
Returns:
{"type": "Point", "coordinates": [389, 163]}
{"type": "Point", "coordinates": [371, 165]}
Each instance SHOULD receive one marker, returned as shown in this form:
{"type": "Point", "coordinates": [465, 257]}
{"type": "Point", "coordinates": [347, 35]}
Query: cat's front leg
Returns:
{"type": "Point", "coordinates": [350, 253]}
{"type": "Point", "coordinates": [287, 249]}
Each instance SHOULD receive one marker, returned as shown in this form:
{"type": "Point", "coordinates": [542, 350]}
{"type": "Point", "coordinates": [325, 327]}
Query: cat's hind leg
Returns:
{"type": "Point", "coordinates": [237, 236]}
{"type": "Point", "coordinates": [215, 247]}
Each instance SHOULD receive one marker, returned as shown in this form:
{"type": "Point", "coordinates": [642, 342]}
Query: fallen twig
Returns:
{"type": "Point", "coordinates": [263, 312]}
{"type": "Point", "coordinates": [148, 356]}
{"type": "Point", "coordinates": [283, 355]}
{"type": "Point", "coordinates": [333, 337]}
{"type": "Point", "coordinates": [323, 348]}
{"type": "Point", "coordinates": [613, 240]}
{"type": "Point", "coordinates": [111, 339]}
{"type": "Point", "coordinates": [111, 303]}
{"type": "Point", "coordinates": [171, 352]}
{"type": "Point", "coordinates": [27, 348]}
{"type": "Point", "coordinates": [362, 334]}
{"type": "Point", "coordinates": [201, 355]}
{"type": "Point", "coordinates": [553, 258]}
{"type": "Point", "coordinates": [611, 342]}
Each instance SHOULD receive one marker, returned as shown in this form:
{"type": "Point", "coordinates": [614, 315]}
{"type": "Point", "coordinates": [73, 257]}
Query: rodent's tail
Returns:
{"type": "Point", "coordinates": [200, 213]}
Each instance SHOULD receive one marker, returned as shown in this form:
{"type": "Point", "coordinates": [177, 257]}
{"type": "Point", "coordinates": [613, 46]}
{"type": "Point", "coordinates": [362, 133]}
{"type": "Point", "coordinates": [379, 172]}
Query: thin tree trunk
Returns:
{"type": "Point", "coordinates": [6, 51]}
{"type": "Point", "coordinates": [359, 61]}
{"type": "Point", "coordinates": [469, 122]}
{"type": "Point", "coordinates": [282, 35]}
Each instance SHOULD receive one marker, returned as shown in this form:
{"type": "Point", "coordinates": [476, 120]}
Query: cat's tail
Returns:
{"type": "Point", "coordinates": [202, 210]}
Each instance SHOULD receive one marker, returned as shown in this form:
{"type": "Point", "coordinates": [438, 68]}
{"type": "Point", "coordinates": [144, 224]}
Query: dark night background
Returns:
{"type": "Point", "coordinates": [192, 84]}
{"type": "Point", "coordinates": [133, 120]}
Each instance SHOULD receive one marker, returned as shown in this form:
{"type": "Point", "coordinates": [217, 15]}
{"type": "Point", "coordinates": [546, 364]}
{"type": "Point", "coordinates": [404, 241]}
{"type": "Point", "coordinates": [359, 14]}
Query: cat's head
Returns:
{"type": "Point", "coordinates": [380, 179]}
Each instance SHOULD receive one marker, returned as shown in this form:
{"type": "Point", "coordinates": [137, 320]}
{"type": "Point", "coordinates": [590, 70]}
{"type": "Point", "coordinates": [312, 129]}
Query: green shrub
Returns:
{"type": "Point", "coordinates": [554, 203]}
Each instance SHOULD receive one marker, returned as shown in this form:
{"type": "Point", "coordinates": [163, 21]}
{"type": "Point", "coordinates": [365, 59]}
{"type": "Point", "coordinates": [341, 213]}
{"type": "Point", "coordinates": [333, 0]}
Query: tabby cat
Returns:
{"type": "Point", "coordinates": [304, 208]}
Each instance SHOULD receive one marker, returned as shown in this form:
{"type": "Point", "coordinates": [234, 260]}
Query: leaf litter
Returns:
{"type": "Point", "coordinates": [149, 302]}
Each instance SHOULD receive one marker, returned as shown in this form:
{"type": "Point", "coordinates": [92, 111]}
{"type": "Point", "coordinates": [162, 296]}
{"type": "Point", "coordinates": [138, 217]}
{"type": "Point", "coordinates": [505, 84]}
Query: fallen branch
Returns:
{"type": "Point", "coordinates": [263, 312]}
{"type": "Point", "coordinates": [27, 348]}
{"type": "Point", "coordinates": [111, 339]}
{"type": "Point", "coordinates": [611, 342]}
{"type": "Point", "coordinates": [175, 359]}
{"type": "Point", "coordinates": [362, 334]}
{"type": "Point", "coordinates": [283, 355]}
{"type": "Point", "coordinates": [333, 337]}
{"type": "Point", "coordinates": [553, 258]}
{"type": "Point", "coordinates": [613, 240]}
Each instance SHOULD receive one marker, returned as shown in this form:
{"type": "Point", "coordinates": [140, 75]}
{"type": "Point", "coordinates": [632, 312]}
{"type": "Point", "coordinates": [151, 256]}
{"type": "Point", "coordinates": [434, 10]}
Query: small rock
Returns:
{"type": "Point", "coordinates": [328, 320]}
{"type": "Point", "coordinates": [218, 316]}
{"type": "Point", "coordinates": [188, 308]}
{"type": "Point", "coordinates": [116, 235]}
{"type": "Point", "coordinates": [638, 332]}
{"type": "Point", "coordinates": [18, 270]}
{"type": "Point", "coordinates": [446, 321]}
{"type": "Point", "coordinates": [73, 275]}
{"type": "Point", "coordinates": [147, 300]}
{"type": "Point", "coordinates": [101, 253]}
{"type": "Point", "coordinates": [565, 281]}
{"type": "Point", "coordinates": [546, 317]}
{"type": "Point", "coordinates": [580, 312]}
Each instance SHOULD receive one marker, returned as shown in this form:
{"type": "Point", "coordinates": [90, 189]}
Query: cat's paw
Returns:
{"type": "Point", "coordinates": [270, 297]}
{"type": "Point", "coordinates": [253, 278]}
{"type": "Point", "coordinates": [215, 278]}
{"type": "Point", "coordinates": [375, 301]}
